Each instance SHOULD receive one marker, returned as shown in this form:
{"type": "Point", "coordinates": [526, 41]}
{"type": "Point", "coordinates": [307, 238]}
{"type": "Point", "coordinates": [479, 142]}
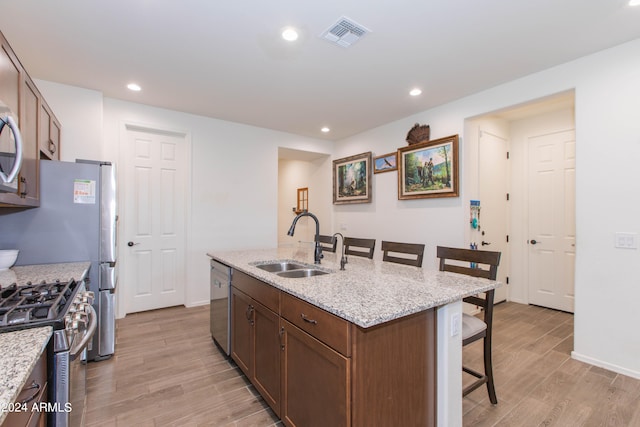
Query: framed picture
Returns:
{"type": "Point", "coordinates": [428, 169]}
{"type": "Point", "coordinates": [385, 163]}
{"type": "Point", "coordinates": [352, 179]}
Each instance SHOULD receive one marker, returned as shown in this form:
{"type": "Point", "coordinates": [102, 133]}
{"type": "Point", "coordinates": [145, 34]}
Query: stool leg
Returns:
{"type": "Point", "coordinates": [488, 370]}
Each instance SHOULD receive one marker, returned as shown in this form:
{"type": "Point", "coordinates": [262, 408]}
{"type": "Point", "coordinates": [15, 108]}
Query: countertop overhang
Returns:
{"type": "Point", "coordinates": [368, 292]}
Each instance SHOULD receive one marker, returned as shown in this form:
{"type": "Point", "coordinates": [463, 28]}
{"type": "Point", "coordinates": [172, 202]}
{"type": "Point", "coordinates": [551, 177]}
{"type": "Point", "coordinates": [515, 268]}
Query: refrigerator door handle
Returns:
{"type": "Point", "coordinates": [108, 214]}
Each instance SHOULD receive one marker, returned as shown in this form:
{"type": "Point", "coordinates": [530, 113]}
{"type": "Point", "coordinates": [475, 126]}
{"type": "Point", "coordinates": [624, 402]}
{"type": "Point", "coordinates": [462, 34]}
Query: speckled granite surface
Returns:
{"type": "Point", "coordinates": [19, 352]}
{"type": "Point", "coordinates": [368, 292]}
{"type": "Point", "coordinates": [39, 273]}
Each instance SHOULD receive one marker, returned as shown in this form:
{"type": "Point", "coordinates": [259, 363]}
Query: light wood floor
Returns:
{"type": "Point", "coordinates": [168, 372]}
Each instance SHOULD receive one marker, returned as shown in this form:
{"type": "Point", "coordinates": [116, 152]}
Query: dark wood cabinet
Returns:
{"type": "Point", "coordinates": [242, 332]}
{"type": "Point", "coordinates": [332, 372]}
{"type": "Point", "coordinates": [40, 129]}
{"type": "Point", "coordinates": [315, 381]}
{"type": "Point", "coordinates": [49, 135]}
{"type": "Point", "coordinates": [255, 336]}
{"type": "Point", "coordinates": [28, 186]}
{"type": "Point", "coordinates": [32, 394]}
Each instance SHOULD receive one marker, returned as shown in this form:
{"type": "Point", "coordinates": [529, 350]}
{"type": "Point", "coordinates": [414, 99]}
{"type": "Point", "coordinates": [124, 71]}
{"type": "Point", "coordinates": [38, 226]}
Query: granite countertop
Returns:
{"type": "Point", "coordinates": [39, 273]}
{"type": "Point", "coordinates": [19, 352]}
{"type": "Point", "coordinates": [368, 292]}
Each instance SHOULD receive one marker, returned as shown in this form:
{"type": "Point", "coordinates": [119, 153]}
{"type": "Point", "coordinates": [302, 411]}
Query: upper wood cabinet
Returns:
{"type": "Point", "coordinates": [49, 136]}
{"type": "Point", "coordinates": [40, 128]}
{"type": "Point", "coordinates": [28, 185]}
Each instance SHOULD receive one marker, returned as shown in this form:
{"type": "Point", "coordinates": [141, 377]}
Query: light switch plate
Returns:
{"type": "Point", "coordinates": [626, 240]}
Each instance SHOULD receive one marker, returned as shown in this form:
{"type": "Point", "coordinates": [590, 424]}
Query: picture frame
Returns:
{"type": "Point", "coordinates": [385, 163]}
{"type": "Point", "coordinates": [352, 179]}
{"type": "Point", "coordinates": [428, 169]}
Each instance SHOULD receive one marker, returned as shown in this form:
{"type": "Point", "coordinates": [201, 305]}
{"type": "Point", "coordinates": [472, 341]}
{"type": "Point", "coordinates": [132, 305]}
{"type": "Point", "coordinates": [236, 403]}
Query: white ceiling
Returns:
{"type": "Point", "coordinates": [225, 58]}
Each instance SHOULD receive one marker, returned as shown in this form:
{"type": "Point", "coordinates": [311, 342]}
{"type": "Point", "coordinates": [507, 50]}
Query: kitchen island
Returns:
{"type": "Point", "coordinates": [415, 306]}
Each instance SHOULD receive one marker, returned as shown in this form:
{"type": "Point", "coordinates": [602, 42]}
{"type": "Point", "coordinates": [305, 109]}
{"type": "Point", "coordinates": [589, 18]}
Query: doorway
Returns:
{"type": "Point", "coordinates": [303, 169]}
{"type": "Point", "coordinates": [155, 166]}
{"type": "Point", "coordinates": [540, 274]}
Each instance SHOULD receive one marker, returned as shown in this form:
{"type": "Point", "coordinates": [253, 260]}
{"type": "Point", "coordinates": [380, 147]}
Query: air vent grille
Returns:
{"type": "Point", "coordinates": [344, 32]}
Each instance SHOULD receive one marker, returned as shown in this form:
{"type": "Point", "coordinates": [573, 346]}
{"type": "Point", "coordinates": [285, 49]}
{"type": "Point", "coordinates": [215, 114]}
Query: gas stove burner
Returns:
{"type": "Point", "coordinates": [36, 304]}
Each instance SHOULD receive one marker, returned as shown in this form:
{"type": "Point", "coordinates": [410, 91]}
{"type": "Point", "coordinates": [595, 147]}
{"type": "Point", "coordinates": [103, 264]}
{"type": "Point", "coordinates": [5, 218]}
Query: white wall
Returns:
{"type": "Point", "coordinates": [607, 91]}
{"type": "Point", "coordinates": [80, 114]}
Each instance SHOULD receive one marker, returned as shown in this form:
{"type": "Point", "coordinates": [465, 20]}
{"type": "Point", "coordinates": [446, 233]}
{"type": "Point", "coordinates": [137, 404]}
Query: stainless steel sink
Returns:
{"type": "Point", "coordinates": [277, 267]}
{"type": "Point", "coordinates": [304, 272]}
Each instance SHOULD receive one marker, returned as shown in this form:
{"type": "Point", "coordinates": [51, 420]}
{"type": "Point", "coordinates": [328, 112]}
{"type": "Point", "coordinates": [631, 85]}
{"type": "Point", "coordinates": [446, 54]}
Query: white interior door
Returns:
{"type": "Point", "coordinates": [154, 219]}
{"type": "Point", "coordinates": [552, 220]}
{"type": "Point", "coordinates": [493, 188]}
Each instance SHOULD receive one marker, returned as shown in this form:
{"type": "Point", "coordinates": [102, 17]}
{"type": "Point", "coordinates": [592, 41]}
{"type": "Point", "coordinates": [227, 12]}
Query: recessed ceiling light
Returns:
{"type": "Point", "coordinates": [134, 87]}
{"type": "Point", "coordinates": [325, 129]}
{"type": "Point", "coordinates": [415, 92]}
{"type": "Point", "coordinates": [290, 34]}
{"type": "Point", "coordinates": [634, 2]}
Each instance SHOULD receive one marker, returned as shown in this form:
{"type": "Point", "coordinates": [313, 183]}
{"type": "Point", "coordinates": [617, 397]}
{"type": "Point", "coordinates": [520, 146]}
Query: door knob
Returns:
{"type": "Point", "coordinates": [132, 244]}
{"type": "Point", "coordinates": [533, 241]}
{"type": "Point", "coordinates": [485, 243]}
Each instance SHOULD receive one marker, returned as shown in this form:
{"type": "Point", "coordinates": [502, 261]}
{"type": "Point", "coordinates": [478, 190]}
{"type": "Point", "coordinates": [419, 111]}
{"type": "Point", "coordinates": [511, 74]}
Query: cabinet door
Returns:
{"type": "Point", "coordinates": [9, 78]}
{"type": "Point", "coordinates": [266, 372]}
{"type": "Point", "coordinates": [54, 133]}
{"type": "Point", "coordinates": [49, 135]}
{"type": "Point", "coordinates": [315, 382]}
{"type": "Point", "coordinates": [242, 331]}
{"type": "Point", "coordinates": [29, 178]}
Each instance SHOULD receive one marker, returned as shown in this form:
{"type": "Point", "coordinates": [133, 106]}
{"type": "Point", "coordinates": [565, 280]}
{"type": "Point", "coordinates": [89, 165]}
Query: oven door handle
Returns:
{"type": "Point", "coordinates": [91, 329]}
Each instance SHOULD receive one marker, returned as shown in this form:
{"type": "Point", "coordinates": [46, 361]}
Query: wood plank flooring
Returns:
{"type": "Point", "coordinates": [168, 372]}
{"type": "Point", "coordinates": [537, 382]}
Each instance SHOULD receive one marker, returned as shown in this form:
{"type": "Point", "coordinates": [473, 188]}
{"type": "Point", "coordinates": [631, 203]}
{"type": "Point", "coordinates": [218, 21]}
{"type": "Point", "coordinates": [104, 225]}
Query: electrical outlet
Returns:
{"type": "Point", "coordinates": [626, 240]}
{"type": "Point", "coordinates": [455, 324]}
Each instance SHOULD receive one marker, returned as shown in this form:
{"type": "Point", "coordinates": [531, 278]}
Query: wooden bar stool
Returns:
{"type": "Point", "coordinates": [474, 328]}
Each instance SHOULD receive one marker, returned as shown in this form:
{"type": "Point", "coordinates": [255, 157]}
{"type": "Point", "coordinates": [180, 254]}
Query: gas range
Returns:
{"type": "Point", "coordinates": [66, 307]}
{"type": "Point", "coordinates": [42, 304]}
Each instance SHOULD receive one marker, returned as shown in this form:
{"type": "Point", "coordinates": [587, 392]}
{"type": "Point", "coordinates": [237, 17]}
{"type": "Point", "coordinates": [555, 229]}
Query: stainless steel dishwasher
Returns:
{"type": "Point", "coordinates": [220, 322]}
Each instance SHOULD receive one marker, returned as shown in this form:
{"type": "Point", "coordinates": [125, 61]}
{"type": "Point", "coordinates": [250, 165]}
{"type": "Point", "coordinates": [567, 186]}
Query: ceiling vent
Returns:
{"type": "Point", "coordinates": [345, 32]}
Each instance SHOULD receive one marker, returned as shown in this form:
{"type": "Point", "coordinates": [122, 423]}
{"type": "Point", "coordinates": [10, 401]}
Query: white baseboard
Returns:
{"type": "Point", "coordinates": [197, 303]}
{"type": "Point", "coordinates": [605, 365]}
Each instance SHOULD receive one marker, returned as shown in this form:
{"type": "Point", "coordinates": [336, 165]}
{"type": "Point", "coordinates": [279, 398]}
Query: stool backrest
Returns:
{"type": "Point", "coordinates": [414, 249]}
{"type": "Point", "coordinates": [359, 244]}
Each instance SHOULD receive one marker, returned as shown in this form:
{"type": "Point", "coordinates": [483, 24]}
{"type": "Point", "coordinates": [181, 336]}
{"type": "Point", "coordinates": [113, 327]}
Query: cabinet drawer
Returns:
{"type": "Point", "coordinates": [326, 327]}
{"type": "Point", "coordinates": [33, 392]}
{"type": "Point", "coordinates": [265, 294]}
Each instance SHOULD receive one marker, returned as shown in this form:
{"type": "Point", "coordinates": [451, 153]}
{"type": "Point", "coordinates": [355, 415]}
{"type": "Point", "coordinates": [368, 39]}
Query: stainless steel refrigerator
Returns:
{"type": "Point", "coordinates": [76, 221]}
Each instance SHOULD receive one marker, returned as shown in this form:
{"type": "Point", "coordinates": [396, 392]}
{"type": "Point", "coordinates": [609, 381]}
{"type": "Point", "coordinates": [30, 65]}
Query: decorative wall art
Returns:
{"type": "Point", "coordinates": [352, 179]}
{"type": "Point", "coordinates": [428, 169]}
{"type": "Point", "coordinates": [385, 163]}
{"type": "Point", "coordinates": [418, 133]}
